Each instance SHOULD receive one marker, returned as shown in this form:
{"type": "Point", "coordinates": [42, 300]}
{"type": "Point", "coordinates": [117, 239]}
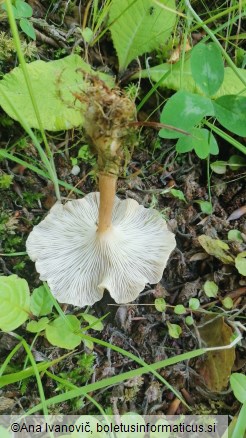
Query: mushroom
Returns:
{"type": "Point", "coordinates": [79, 261]}
{"type": "Point", "coordinates": [101, 242]}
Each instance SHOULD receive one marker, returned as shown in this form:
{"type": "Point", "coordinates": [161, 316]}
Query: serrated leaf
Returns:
{"type": "Point", "coordinates": [179, 309]}
{"type": "Point", "coordinates": [201, 140]}
{"type": "Point", "coordinates": [230, 111]}
{"type": "Point", "coordinates": [210, 289]}
{"type": "Point", "coordinates": [194, 303]}
{"type": "Point", "coordinates": [139, 27]}
{"type": "Point", "coordinates": [28, 28]}
{"type": "Point", "coordinates": [174, 330]}
{"type": "Point", "coordinates": [207, 67]}
{"type": "Point", "coordinates": [93, 321]}
{"type": "Point", "coordinates": [64, 335]}
{"type": "Point", "coordinates": [54, 84]}
{"type": "Point", "coordinates": [184, 110]}
{"type": "Point", "coordinates": [41, 303]}
{"type": "Point", "coordinates": [216, 248]}
{"type": "Point", "coordinates": [15, 302]}
{"type": "Point", "coordinates": [219, 167]}
{"type": "Point", "coordinates": [240, 263]}
{"type": "Point", "coordinates": [171, 74]}
{"type": "Point", "coordinates": [216, 367]}
{"type": "Point", "coordinates": [37, 326]}
{"type": "Point", "coordinates": [160, 304]}
{"type": "Point", "coordinates": [238, 385]}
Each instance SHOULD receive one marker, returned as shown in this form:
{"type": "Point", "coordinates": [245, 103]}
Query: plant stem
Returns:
{"type": "Point", "coordinates": [107, 188]}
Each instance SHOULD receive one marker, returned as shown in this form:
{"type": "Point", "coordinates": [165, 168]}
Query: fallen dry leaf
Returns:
{"type": "Point", "coordinates": [217, 365]}
{"type": "Point", "coordinates": [216, 248]}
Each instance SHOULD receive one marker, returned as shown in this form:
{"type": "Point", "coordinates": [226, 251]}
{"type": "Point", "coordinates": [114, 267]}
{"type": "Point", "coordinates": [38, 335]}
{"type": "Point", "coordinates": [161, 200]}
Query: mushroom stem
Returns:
{"type": "Point", "coordinates": [107, 188]}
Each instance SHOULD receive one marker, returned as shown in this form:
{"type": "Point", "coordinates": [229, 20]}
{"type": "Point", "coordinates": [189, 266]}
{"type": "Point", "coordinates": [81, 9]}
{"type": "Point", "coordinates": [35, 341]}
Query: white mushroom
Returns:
{"type": "Point", "coordinates": [80, 259]}
{"type": "Point", "coordinates": [100, 242]}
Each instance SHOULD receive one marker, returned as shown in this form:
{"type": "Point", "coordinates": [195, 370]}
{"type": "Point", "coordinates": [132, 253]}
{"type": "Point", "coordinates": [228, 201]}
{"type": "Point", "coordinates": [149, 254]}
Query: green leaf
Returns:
{"type": "Point", "coordinates": [4, 433]}
{"type": "Point", "coordinates": [139, 26]}
{"type": "Point", "coordinates": [87, 34]}
{"type": "Point", "coordinates": [210, 289]}
{"type": "Point", "coordinates": [189, 320]}
{"type": "Point", "coordinates": [15, 302]}
{"type": "Point", "coordinates": [236, 162]}
{"type": "Point", "coordinates": [27, 28]}
{"type": "Point", "coordinates": [62, 334]}
{"type": "Point", "coordinates": [194, 303]}
{"type": "Point", "coordinates": [205, 206]}
{"type": "Point", "coordinates": [240, 263]}
{"type": "Point", "coordinates": [179, 309]}
{"type": "Point", "coordinates": [238, 385]}
{"type": "Point", "coordinates": [231, 113]}
{"type": "Point", "coordinates": [174, 330]}
{"type": "Point", "coordinates": [160, 304]}
{"type": "Point", "coordinates": [219, 167]}
{"type": "Point", "coordinates": [184, 110]}
{"type": "Point", "coordinates": [235, 236]}
{"type": "Point", "coordinates": [93, 321]}
{"type": "Point", "coordinates": [216, 248]}
{"type": "Point", "coordinates": [37, 326]}
{"type": "Point", "coordinates": [41, 303]}
{"type": "Point", "coordinates": [178, 194]}
{"type": "Point", "coordinates": [201, 140]}
{"type": "Point", "coordinates": [207, 67]}
{"type": "Point", "coordinates": [54, 85]}
{"type": "Point", "coordinates": [174, 72]}
{"type": "Point", "coordinates": [227, 303]}
{"type": "Point", "coordinates": [23, 9]}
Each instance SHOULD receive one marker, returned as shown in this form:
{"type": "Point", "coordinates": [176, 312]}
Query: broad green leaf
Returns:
{"type": "Point", "coordinates": [201, 140]}
{"type": "Point", "coordinates": [236, 162]}
{"type": "Point", "coordinates": [37, 326]}
{"type": "Point", "coordinates": [23, 9]}
{"type": "Point", "coordinates": [140, 26]}
{"type": "Point", "coordinates": [194, 303]}
{"type": "Point", "coordinates": [216, 248]}
{"type": "Point", "coordinates": [207, 67]}
{"type": "Point", "coordinates": [55, 85]}
{"type": "Point", "coordinates": [216, 366]}
{"type": "Point", "coordinates": [174, 330]}
{"type": "Point", "coordinates": [205, 206]}
{"type": "Point", "coordinates": [179, 309]}
{"type": "Point", "coordinates": [28, 28]}
{"type": "Point", "coordinates": [64, 335]}
{"type": "Point", "coordinates": [93, 321]}
{"type": "Point", "coordinates": [240, 263]}
{"type": "Point", "coordinates": [184, 110]}
{"type": "Point", "coordinates": [235, 236]}
{"type": "Point", "coordinates": [15, 302]}
{"type": "Point", "coordinates": [41, 303]}
{"type": "Point", "coordinates": [231, 113]}
{"type": "Point", "coordinates": [210, 289]}
{"type": "Point", "coordinates": [228, 303]}
{"type": "Point", "coordinates": [160, 304]}
{"type": "Point", "coordinates": [238, 385]}
{"type": "Point", "coordinates": [178, 194]}
{"type": "Point", "coordinates": [230, 85]}
{"type": "Point", "coordinates": [219, 167]}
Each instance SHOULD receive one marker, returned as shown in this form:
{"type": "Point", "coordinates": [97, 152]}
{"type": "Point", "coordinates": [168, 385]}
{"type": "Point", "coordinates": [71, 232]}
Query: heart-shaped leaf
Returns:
{"type": "Point", "coordinates": [231, 113]}
{"type": "Point", "coordinates": [62, 334]}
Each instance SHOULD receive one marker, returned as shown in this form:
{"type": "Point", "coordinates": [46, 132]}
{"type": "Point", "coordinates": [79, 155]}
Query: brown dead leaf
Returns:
{"type": "Point", "coordinates": [217, 366]}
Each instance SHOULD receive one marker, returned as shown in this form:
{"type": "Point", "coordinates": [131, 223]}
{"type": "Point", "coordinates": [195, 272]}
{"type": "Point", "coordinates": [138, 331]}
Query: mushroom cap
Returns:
{"type": "Point", "coordinates": [79, 263]}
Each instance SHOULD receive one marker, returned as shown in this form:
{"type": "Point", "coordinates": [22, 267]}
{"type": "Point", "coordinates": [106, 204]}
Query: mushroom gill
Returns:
{"type": "Point", "coordinates": [79, 263]}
